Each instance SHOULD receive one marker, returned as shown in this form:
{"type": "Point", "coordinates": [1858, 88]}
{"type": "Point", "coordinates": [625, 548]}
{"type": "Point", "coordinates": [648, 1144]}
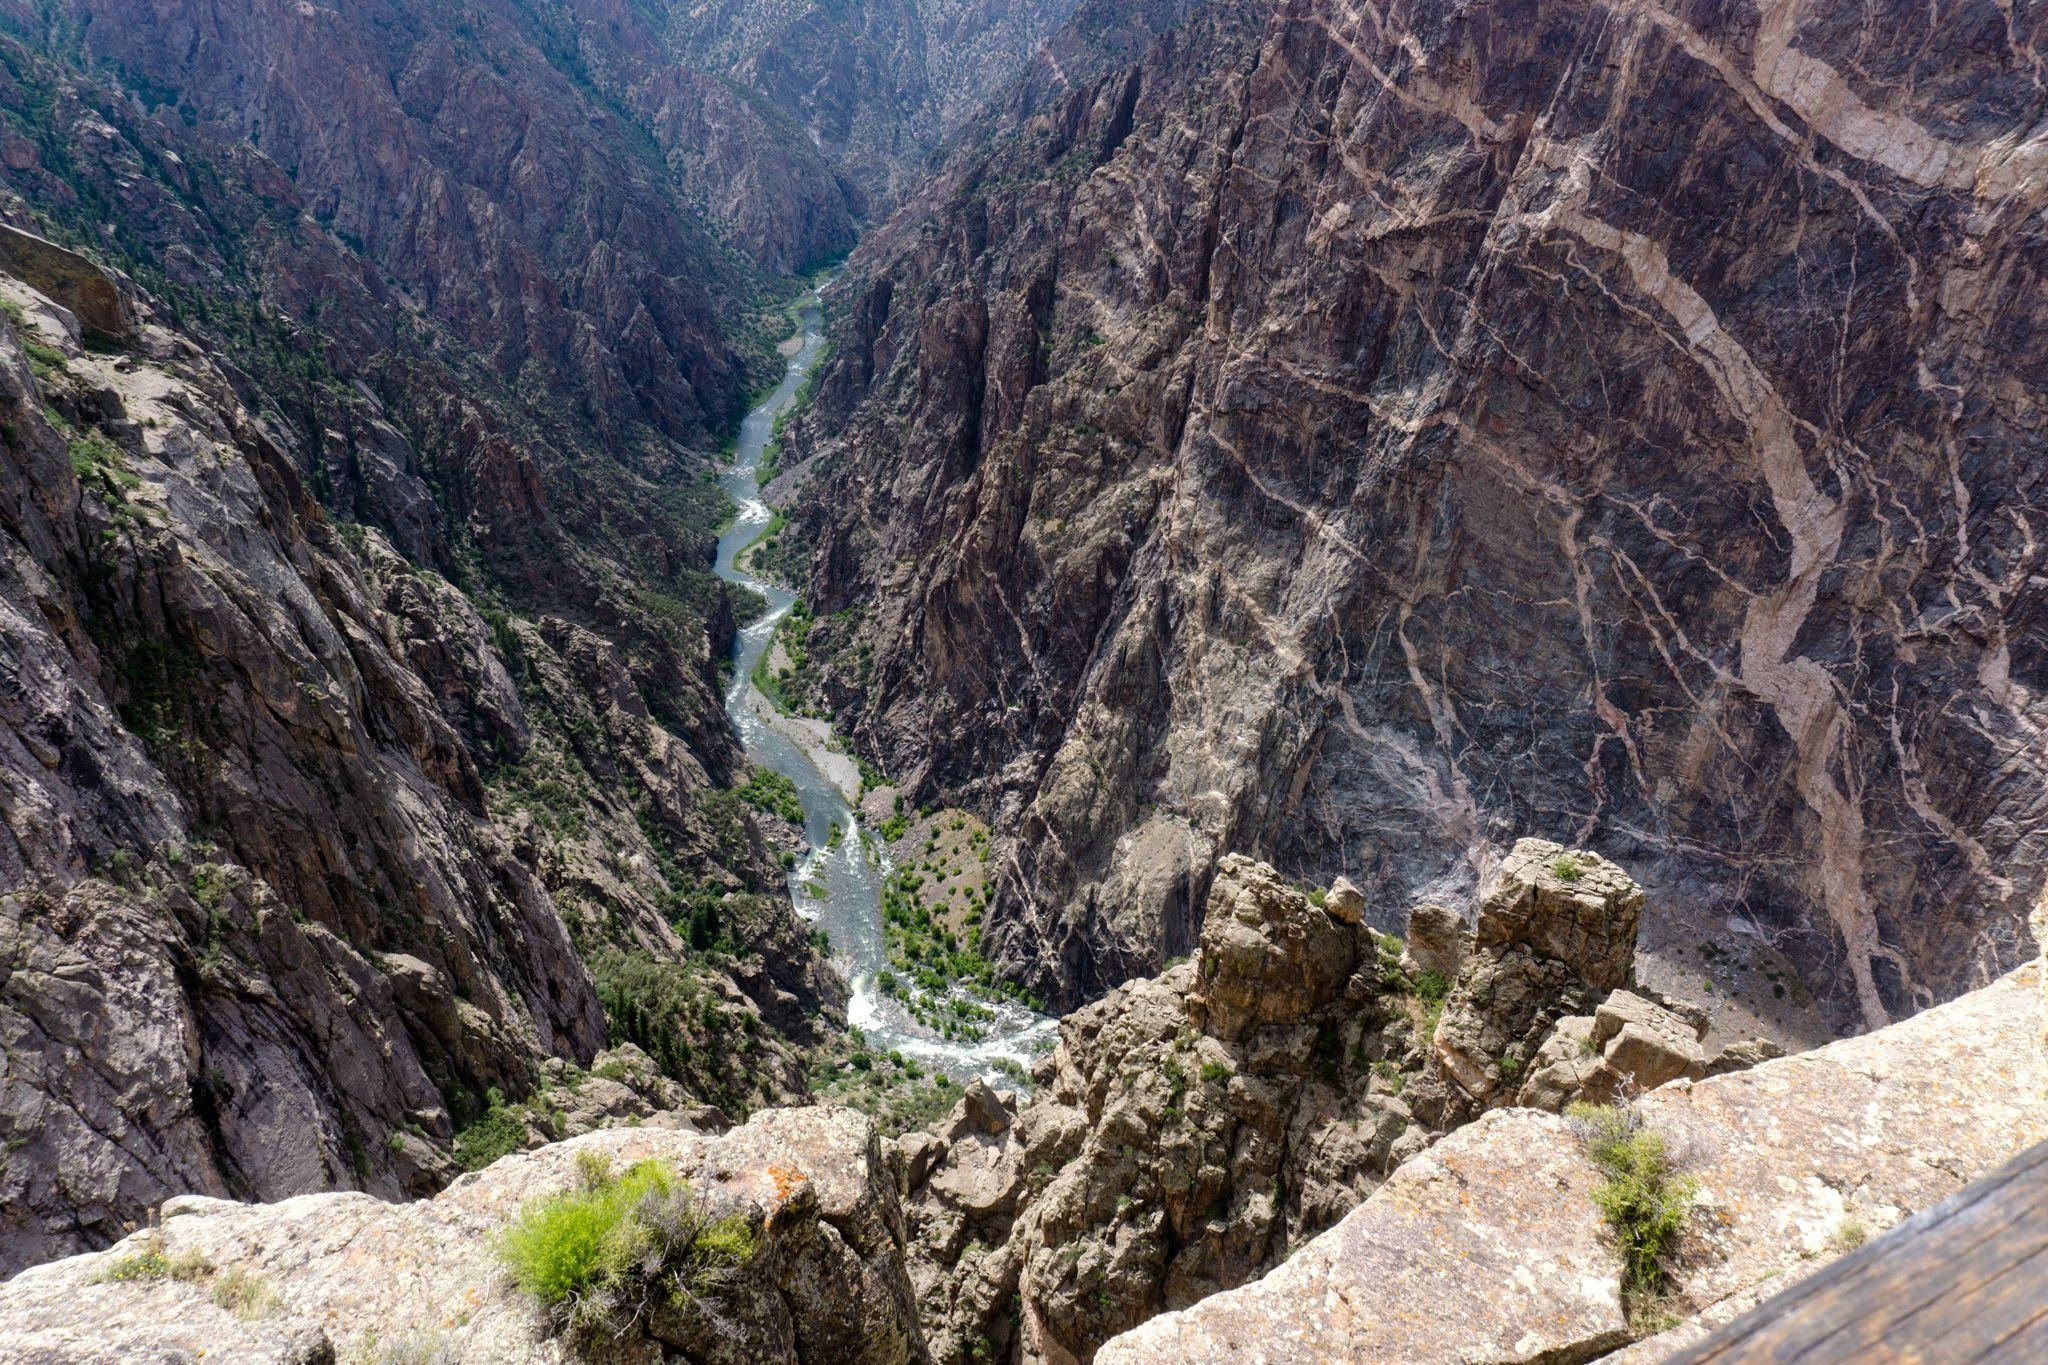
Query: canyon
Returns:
{"type": "Point", "coordinates": [1025, 680]}
{"type": "Point", "coordinates": [1357, 435]}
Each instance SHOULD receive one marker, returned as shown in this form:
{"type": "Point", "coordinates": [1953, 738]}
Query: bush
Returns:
{"type": "Point", "coordinates": [1567, 868]}
{"type": "Point", "coordinates": [244, 1293]}
{"type": "Point", "coordinates": [1644, 1202]}
{"type": "Point", "coordinates": [497, 1133]}
{"type": "Point", "coordinates": [602, 1252]}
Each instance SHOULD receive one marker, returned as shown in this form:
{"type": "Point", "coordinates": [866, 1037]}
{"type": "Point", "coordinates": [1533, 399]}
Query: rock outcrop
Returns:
{"type": "Point", "coordinates": [1192, 1130]}
{"type": "Point", "coordinates": [1354, 434]}
{"type": "Point", "coordinates": [345, 1276]}
{"type": "Point", "coordinates": [1490, 1246]}
{"type": "Point", "coordinates": [1186, 1131]}
{"type": "Point", "coordinates": [299, 851]}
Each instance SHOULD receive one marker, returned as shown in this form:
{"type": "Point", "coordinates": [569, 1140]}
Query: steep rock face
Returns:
{"type": "Point", "coordinates": [1191, 1130]}
{"type": "Point", "coordinates": [1490, 1246]}
{"type": "Point", "coordinates": [278, 911]}
{"type": "Point", "coordinates": [1172, 1149]}
{"type": "Point", "coordinates": [1351, 435]}
{"type": "Point", "coordinates": [354, 1278]}
{"type": "Point", "coordinates": [502, 198]}
{"type": "Point", "coordinates": [876, 85]}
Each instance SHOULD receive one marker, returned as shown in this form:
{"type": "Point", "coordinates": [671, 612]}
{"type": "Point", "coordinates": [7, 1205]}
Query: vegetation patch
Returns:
{"type": "Point", "coordinates": [931, 927]}
{"type": "Point", "coordinates": [149, 1262]}
{"type": "Point", "coordinates": [244, 1293]}
{"type": "Point", "coordinates": [771, 793]}
{"type": "Point", "coordinates": [670, 1011]}
{"type": "Point", "coordinates": [499, 1131]}
{"type": "Point", "coordinates": [1567, 868]}
{"type": "Point", "coordinates": [1644, 1201]}
{"type": "Point", "coordinates": [603, 1253]}
{"type": "Point", "coordinates": [784, 673]}
{"type": "Point", "coordinates": [897, 1091]}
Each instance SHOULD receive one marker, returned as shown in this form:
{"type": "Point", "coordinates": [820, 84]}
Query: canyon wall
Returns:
{"type": "Point", "coordinates": [1353, 434]}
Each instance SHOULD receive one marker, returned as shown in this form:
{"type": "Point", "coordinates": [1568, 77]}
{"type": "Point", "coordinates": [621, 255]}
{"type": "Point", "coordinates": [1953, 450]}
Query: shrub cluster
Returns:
{"type": "Point", "coordinates": [603, 1253]}
{"type": "Point", "coordinates": [1644, 1201]}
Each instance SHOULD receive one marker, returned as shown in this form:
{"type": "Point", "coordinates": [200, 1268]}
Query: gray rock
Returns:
{"type": "Point", "coordinates": [352, 1274]}
{"type": "Point", "coordinates": [1437, 940]}
{"type": "Point", "coordinates": [1345, 902]}
{"type": "Point", "coordinates": [1741, 1056]}
{"type": "Point", "coordinates": [1267, 955]}
{"type": "Point", "coordinates": [1586, 920]}
{"type": "Point", "coordinates": [1491, 1246]}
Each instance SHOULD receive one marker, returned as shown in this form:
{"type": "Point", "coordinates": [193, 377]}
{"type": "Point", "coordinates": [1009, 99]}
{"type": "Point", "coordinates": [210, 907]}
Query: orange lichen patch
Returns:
{"type": "Point", "coordinates": [788, 1181]}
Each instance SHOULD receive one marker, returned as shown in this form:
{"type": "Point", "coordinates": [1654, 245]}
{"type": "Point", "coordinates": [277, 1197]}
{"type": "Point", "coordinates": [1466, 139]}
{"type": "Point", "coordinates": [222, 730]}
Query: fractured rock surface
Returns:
{"type": "Point", "coordinates": [1490, 1246]}
{"type": "Point", "coordinates": [1353, 434]}
{"type": "Point", "coordinates": [354, 1276]}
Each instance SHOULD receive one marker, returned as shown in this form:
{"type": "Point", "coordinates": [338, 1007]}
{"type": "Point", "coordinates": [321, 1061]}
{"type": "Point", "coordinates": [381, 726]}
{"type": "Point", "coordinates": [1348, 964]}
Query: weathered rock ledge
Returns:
{"type": "Point", "coordinates": [1488, 1246]}
{"type": "Point", "coordinates": [355, 1278]}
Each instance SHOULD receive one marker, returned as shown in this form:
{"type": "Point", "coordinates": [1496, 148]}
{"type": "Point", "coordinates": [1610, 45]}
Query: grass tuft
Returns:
{"type": "Point", "coordinates": [1644, 1201]}
{"type": "Point", "coordinates": [245, 1294]}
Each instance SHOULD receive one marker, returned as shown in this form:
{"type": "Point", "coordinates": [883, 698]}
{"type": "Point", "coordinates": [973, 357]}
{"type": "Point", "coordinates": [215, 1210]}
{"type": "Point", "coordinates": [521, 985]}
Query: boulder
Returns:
{"type": "Point", "coordinates": [1345, 902]}
{"type": "Point", "coordinates": [1571, 906]}
{"type": "Point", "coordinates": [1437, 940]}
{"type": "Point", "coordinates": [1268, 956]}
{"type": "Point", "coordinates": [73, 281]}
{"type": "Point", "coordinates": [1562, 1066]}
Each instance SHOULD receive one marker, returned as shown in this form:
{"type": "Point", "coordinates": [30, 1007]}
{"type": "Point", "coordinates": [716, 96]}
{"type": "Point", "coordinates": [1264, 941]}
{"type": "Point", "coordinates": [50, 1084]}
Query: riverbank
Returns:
{"type": "Point", "coordinates": [939, 1020]}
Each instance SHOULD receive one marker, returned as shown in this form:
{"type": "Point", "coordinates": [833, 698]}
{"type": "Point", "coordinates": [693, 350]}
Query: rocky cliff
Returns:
{"type": "Point", "coordinates": [309, 864]}
{"type": "Point", "coordinates": [876, 85]}
{"type": "Point", "coordinates": [1194, 1130]}
{"type": "Point", "coordinates": [814, 1271]}
{"type": "Point", "coordinates": [1351, 435]}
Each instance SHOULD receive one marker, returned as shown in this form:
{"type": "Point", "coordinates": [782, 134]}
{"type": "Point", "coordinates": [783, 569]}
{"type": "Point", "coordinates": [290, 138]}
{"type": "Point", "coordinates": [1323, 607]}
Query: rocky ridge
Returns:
{"type": "Point", "coordinates": [304, 857]}
{"type": "Point", "coordinates": [1191, 1131]}
{"type": "Point", "coordinates": [1354, 435]}
{"type": "Point", "coordinates": [329, 1277]}
{"type": "Point", "coordinates": [1491, 1247]}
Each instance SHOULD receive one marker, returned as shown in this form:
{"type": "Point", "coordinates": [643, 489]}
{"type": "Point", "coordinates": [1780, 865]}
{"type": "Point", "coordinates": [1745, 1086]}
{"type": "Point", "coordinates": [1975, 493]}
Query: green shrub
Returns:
{"type": "Point", "coordinates": [1567, 868]}
{"type": "Point", "coordinates": [1215, 1072]}
{"type": "Point", "coordinates": [44, 360]}
{"type": "Point", "coordinates": [1644, 1202]}
{"type": "Point", "coordinates": [602, 1252]}
{"type": "Point", "coordinates": [499, 1132]}
{"type": "Point", "coordinates": [560, 1243]}
{"type": "Point", "coordinates": [728, 1243]}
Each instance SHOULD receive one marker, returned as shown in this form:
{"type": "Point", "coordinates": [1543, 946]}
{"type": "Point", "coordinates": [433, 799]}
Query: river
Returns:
{"type": "Point", "coordinates": [852, 868]}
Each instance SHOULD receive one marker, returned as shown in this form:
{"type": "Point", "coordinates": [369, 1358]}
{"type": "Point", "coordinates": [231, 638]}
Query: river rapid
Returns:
{"type": "Point", "coordinates": [852, 867]}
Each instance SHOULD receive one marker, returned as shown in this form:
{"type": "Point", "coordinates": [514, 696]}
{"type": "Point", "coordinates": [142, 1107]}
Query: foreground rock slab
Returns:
{"type": "Point", "coordinates": [346, 1276]}
{"type": "Point", "coordinates": [1488, 1247]}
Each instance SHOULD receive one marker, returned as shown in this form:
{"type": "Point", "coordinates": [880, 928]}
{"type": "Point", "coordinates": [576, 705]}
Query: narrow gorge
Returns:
{"type": "Point", "coordinates": [1033, 681]}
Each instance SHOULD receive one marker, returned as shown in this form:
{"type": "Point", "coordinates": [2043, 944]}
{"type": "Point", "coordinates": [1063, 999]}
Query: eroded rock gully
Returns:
{"type": "Point", "coordinates": [1191, 1131]}
{"type": "Point", "coordinates": [1356, 434]}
